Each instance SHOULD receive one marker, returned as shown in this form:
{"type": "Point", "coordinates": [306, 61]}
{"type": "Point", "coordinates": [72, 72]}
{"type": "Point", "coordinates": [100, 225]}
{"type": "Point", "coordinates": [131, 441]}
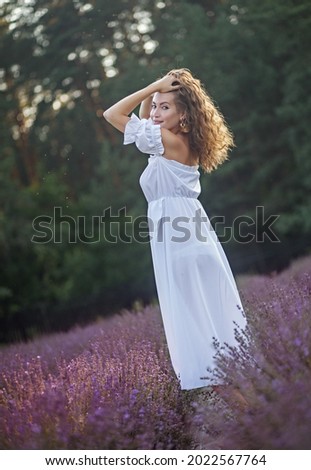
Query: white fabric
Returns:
{"type": "Point", "coordinates": [197, 292]}
{"type": "Point", "coordinates": [145, 135]}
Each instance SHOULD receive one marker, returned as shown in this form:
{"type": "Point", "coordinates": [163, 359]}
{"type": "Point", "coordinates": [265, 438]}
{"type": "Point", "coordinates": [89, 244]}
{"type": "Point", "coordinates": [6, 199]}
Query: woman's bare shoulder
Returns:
{"type": "Point", "coordinates": [176, 147]}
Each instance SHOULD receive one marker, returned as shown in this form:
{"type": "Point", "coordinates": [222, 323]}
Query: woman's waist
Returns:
{"type": "Point", "coordinates": [174, 206]}
{"type": "Point", "coordinates": [172, 198]}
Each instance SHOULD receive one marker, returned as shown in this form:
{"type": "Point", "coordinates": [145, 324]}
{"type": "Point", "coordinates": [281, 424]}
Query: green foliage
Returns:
{"type": "Point", "coordinates": [67, 62]}
{"type": "Point", "coordinates": [252, 57]}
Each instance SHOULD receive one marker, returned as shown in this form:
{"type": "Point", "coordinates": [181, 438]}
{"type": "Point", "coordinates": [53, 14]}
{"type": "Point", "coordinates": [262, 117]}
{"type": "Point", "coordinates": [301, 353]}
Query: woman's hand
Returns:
{"type": "Point", "coordinates": [166, 84]}
{"type": "Point", "coordinates": [117, 114]}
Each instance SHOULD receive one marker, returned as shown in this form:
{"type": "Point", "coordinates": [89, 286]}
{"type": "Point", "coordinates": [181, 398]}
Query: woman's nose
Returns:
{"type": "Point", "coordinates": [155, 112]}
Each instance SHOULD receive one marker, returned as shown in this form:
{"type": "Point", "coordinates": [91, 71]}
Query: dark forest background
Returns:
{"type": "Point", "coordinates": [62, 63]}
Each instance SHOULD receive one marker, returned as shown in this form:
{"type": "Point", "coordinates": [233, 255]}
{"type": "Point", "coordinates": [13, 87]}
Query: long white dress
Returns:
{"type": "Point", "coordinates": [197, 293]}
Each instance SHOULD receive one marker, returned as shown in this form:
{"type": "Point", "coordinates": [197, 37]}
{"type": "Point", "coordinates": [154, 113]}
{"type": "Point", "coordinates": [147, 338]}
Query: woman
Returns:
{"type": "Point", "coordinates": [181, 130]}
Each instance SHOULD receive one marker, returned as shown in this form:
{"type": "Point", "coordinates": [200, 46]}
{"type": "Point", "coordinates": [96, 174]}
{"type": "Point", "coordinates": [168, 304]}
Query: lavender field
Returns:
{"type": "Point", "coordinates": [110, 385]}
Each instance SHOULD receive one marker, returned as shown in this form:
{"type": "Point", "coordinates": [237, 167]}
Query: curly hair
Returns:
{"type": "Point", "coordinates": [209, 137]}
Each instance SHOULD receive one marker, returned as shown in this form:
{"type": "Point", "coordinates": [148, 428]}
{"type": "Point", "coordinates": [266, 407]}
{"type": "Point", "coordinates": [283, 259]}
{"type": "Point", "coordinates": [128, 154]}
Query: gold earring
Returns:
{"type": "Point", "coordinates": [183, 125]}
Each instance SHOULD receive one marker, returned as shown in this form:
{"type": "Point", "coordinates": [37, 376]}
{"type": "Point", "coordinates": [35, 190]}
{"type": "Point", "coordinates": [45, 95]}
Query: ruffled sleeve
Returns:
{"type": "Point", "coordinates": [145, 135]}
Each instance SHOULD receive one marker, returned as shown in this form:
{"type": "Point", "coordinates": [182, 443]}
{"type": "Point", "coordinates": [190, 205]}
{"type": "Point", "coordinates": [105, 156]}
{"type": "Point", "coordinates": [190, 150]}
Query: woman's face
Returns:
{"type": "Point", "coordinates": [164, 112]}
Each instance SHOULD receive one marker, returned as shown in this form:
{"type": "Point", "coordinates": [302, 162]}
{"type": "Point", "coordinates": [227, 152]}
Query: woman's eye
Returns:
{"type": "Point", "coordinates": [164, 107]}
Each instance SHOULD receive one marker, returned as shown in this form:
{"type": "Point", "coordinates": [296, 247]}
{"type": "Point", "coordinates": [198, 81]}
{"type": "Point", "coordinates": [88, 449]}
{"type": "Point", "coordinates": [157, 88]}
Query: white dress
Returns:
{"type": "Point", "coordinates": [197, 293]}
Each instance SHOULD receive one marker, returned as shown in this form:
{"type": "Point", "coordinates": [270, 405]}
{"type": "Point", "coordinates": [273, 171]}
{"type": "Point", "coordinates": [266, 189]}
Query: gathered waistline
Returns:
{"type": "Point", "coordinates": [173, 197]}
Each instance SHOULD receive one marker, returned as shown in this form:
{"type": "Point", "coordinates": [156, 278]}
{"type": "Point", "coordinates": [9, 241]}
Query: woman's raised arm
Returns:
{"type": "Point", "coordinates": [118, 114]}
{"type": "Point", "coordinates": [145, 108]}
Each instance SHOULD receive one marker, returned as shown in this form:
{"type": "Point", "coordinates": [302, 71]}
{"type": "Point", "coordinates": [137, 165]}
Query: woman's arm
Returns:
{"type": "Point", "coordinates": [117, 114]}
{"type": "Point", "coordinates": [145, 108]}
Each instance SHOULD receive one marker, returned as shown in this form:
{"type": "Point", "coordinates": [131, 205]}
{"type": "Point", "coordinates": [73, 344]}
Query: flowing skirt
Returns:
{"type": "Point", "coordinates": [197, 293]}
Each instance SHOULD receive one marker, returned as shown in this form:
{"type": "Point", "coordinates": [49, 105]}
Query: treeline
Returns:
{"type": "Point", "coordinates": [73, 239]}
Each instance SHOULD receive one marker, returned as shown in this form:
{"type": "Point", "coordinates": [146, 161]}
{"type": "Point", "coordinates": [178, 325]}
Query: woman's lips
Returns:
{"type": "Point", "coordinates": [157, 122]}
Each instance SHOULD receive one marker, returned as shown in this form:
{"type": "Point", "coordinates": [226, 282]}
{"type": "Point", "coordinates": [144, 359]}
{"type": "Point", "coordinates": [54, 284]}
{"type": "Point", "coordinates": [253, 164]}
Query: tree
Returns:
{"type": "Point", "coordinates": [251, 58]}
{"type": "Point", "coordinates": [69, 61]}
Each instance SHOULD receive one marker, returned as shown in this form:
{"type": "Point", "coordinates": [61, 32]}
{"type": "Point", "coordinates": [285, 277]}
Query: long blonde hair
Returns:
{"type": "Point", "coordinates": [209, 137]}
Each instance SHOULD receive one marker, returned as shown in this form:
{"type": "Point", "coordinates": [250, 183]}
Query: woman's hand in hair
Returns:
{"type": "Point", "coordinates": [167, 83]}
